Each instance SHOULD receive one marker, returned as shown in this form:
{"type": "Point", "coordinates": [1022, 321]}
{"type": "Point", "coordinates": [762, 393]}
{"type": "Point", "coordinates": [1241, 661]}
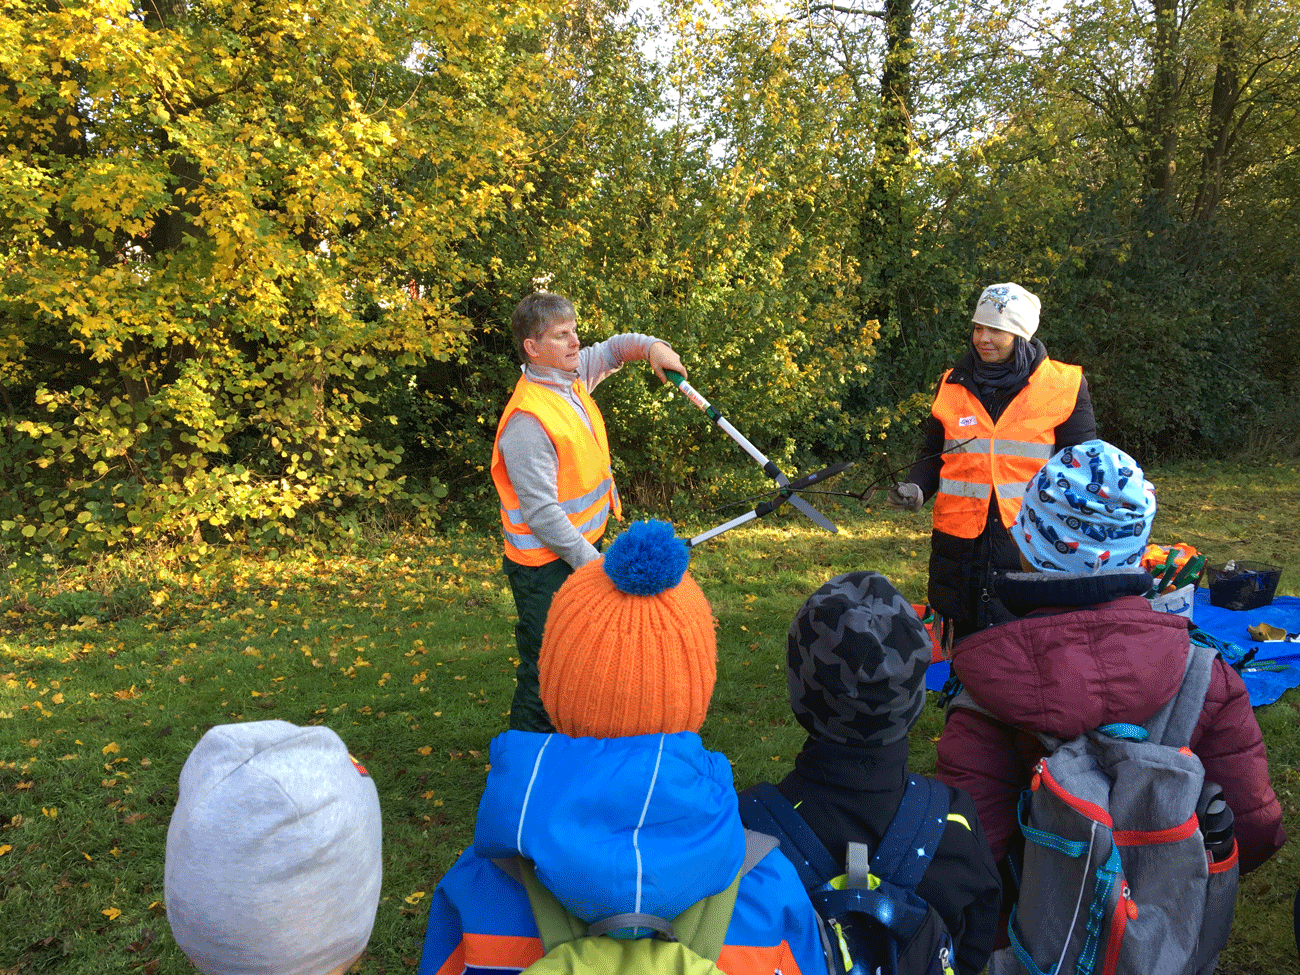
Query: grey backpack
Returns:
{"type": "Point", "coordinates": [1116, 875]}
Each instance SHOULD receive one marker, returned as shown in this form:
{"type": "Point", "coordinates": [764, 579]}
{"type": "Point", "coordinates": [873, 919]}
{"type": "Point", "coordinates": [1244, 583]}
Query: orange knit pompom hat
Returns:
{"type": "Point", "coordinates": [629, 646]}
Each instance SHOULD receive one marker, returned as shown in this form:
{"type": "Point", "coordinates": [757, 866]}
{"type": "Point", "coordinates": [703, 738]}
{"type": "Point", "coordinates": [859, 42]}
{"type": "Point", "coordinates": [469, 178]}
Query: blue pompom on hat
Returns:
{"type": "Point", "coordinates": [647, 559]}
{"type": "Point", "coordinates": [1090, 508]}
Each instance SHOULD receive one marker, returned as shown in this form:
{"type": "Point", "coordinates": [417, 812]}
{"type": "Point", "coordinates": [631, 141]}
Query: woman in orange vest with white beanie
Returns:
{"type": "Point", "coordinates": [999, 415]}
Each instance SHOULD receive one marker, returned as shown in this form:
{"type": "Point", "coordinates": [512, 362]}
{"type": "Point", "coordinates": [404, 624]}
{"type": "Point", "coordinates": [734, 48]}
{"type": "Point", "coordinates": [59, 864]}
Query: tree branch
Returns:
{"type": "Point", "coordinates": [836, 8]}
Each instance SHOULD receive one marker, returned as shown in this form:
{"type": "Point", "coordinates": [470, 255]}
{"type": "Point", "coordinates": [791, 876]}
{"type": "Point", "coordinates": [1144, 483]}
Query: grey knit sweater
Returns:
{"type": "Point", "coordinates": [530, 458]}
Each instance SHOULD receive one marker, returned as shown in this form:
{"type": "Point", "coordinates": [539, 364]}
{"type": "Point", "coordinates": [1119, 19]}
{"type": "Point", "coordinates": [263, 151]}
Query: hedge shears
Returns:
{"type": "Point", "coordinates": [786, 487]}
{"type": "Point", "coordinates": [889, 479]}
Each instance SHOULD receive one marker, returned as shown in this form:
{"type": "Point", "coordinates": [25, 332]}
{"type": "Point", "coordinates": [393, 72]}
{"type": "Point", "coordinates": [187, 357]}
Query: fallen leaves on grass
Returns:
{"type": "Point", "coordinates": [142, 944]}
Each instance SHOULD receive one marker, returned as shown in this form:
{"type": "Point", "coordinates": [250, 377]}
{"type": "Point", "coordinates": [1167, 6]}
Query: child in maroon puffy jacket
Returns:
{"type": "Point", "coordinates": [1089, 650]}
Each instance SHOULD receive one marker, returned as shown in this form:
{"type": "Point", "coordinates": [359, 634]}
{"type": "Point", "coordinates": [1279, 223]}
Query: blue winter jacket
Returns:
{"type": "Point", "coordinates": [645, 824]}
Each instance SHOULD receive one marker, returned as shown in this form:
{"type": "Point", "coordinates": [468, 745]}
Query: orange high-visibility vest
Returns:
{"type": "Point", "coordinates": [1001, 456]}
{"type": "Point", "coordinates": [585, 481]}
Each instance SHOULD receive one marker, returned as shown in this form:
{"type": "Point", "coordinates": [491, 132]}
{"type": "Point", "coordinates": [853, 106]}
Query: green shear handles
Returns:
{"type": "Point", "coordinates": [1170, 575]}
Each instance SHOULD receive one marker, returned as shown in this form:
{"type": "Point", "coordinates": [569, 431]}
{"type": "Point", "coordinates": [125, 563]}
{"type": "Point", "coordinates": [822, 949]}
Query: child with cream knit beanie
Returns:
{"type": "Point", "coordinates": [273, 861]}
{"type": "Point", "coordinates": [622, 810]}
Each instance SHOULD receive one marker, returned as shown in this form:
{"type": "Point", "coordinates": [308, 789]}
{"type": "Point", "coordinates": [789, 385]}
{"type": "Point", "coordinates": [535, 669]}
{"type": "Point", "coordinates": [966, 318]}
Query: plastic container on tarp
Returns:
{"type": "Point", "coordinates": [1242, 585]}
{"type": "Point", "coordinates": [1179, 602]}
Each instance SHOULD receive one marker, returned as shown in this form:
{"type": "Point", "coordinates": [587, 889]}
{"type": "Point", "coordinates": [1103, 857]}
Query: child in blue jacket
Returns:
{"type": "Point", "coordinates": [623, 810]}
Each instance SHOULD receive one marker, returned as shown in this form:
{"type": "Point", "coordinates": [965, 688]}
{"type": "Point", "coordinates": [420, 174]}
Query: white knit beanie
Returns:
{"type": "Point", "coordinates": [1008, 307]}
{"type": "Point", "coordinates": [273, 861]}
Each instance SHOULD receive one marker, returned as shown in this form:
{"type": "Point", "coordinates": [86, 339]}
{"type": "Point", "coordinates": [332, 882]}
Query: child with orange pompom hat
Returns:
{"type": "Point", "coordinates": [622, 811]}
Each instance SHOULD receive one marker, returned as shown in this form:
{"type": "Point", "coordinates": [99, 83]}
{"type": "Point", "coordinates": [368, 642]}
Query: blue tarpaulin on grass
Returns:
{"type": "Point", "coordinates": [1275, 667]}
{"type": "Point", "coordinates": [936, 674]}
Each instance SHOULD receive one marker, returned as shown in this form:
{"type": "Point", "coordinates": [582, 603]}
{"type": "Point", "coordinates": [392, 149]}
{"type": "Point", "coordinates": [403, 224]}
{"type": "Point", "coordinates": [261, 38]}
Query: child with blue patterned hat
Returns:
{"type": "Point", "coordinates": [1088, 509]}
{"type": "Point", "coordinates": [1089, 650]}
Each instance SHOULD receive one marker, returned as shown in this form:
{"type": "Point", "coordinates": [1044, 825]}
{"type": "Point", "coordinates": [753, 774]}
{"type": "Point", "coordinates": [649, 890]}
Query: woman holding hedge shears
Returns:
{"type": "Point", "coordinates": [1000, 414]}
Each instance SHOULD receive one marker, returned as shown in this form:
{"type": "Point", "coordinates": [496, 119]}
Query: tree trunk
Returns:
{"type": "Point", "coordinates": [1224, 102]}
{"type": "Point", "coordinates": [883, 216]}
{"type": "Point", "coordinates": [1162, 102]}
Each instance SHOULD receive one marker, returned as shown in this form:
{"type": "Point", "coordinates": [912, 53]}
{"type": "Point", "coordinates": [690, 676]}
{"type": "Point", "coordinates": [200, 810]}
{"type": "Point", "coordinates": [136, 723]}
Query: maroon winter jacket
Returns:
{"type": "Point", "coordinates": [1067, 671]}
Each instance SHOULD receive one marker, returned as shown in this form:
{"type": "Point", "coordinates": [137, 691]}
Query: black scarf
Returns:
{"type": "Point", "coordinates": [991, 376]}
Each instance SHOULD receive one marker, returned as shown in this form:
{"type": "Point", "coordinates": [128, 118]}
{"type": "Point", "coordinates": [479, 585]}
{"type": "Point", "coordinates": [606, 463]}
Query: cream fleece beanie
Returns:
{"type": "Point", "coordinates": [1010, 308]}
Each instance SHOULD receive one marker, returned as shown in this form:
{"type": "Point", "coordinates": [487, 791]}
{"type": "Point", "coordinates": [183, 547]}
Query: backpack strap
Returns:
{"type": "Point", "coordinates": [764, 808]}
{"type": "Point", "coordinates": [702, 926]}
{"type": "Point", "coordinates": [901, 912]}
{"type": "Point", "coordinates": [757, 846]}
{"type": "Point", "coordinates": [914, 834]}
{"type": "Point", "coordinates": [888, 898]}
{"type": "Point", "coordinates": [632, 921]}
{"type": "Point", "coordinates": [555, 924]}
{"type": "Point", "coordinates": [1174, 723]}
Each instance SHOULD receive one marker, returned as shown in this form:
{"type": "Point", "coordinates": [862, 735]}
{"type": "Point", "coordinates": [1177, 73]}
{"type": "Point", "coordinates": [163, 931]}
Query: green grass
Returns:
{"type": "Point", "coordinates": [110, 673]}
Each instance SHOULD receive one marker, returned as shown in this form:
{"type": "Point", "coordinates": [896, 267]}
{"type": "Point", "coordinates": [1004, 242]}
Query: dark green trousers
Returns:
{"type": "Point", "coordinates": [533, 587]}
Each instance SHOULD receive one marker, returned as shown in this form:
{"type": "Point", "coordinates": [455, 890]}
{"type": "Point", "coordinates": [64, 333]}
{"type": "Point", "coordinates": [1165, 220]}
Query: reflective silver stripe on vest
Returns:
{"type": "Point", "coordinates": [963, 489]}
{"type": "Point", "coordinates": [595, 520]}
{"type": "Point", "coordinates": [527, 540]}
{"type": "Point", "coordinates": [1003, 448]}
{"type": "Point", "coordinates": [522, 542]}
{"type": "Point", "coordinates": [1025, 448]}
{"type": "Point", "coordinates": [571, 507]}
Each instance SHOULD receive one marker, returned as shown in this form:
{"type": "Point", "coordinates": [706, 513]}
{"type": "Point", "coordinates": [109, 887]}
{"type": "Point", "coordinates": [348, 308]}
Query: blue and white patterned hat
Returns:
{"type": "Point", "coordinates": [1089, 508]}
{"type": "Point", "coordinates": [1008, 307]}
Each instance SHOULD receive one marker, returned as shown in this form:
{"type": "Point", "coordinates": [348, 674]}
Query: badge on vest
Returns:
{"type": "Point", "coordinates": [966, 421]}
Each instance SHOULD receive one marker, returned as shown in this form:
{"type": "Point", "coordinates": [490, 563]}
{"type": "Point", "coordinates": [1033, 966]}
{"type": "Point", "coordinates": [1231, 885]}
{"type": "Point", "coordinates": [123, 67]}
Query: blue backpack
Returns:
{"type": "Point", "coordinates": [869, 904]}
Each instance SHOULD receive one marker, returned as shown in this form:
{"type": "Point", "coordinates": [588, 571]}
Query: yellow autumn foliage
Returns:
{"type": "Point", "coordinates": [221, 224]}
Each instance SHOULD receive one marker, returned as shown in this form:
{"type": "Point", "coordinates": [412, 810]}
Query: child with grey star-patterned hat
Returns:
{"type": "Point", "coordinates": [856, 656]}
